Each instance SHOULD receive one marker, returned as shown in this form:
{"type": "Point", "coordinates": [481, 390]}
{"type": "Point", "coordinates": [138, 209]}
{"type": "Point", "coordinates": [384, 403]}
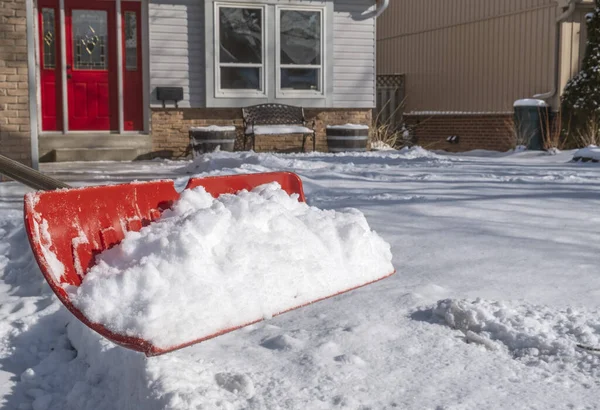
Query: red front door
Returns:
{"type": "Point", "coordinates": [91, 65]}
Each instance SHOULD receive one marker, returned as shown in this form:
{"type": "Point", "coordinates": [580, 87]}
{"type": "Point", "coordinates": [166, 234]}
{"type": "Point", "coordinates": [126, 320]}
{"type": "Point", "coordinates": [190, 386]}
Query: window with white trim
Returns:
{"type": "Point", "coordinates": [240, 59]}
{"type": "Point", "coordinates": [299, 51]}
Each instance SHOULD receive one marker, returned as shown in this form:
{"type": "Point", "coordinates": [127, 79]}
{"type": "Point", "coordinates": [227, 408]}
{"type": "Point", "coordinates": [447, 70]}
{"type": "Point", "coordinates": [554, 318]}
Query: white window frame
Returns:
{"type": "Point", "coordinates": [232, 93]}
{"type": "Point", "coordinates": [281, 93]}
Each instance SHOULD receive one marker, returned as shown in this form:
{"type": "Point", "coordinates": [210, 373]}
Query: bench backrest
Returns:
{"type": "Point", "coordinates": [273, 114]}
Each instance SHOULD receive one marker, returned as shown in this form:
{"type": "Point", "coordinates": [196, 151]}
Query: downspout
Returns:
{"type": "Point", "coordinates": [32, 83]}
{"type": "Point", "coordinates": [558, 39]}
{"type": "Point", "coordinates": [381, 6]}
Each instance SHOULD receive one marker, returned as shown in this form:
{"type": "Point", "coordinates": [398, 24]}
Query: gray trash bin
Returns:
{"type": "Point", "coordinates": [532, 118]}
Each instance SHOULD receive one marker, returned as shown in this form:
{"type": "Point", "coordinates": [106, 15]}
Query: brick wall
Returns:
{"type": "Point", "coordinates": [15, 139]}
{"type": "Point", "coordinates": [170, 128]}
{"type": "Point", "coordinates": [485, 131]}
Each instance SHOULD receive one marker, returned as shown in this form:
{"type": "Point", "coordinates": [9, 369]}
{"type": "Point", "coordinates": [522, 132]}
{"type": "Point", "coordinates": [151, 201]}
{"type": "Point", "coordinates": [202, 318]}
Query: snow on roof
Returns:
{"type": "Point", "coordinates": [530, 102]}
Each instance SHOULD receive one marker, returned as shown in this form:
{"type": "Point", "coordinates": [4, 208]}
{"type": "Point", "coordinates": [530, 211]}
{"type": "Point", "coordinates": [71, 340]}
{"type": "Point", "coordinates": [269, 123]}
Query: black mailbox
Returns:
{"type": "Point", "coordinates": [174, 94]}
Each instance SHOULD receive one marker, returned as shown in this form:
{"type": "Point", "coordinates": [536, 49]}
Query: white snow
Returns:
{"type": "Point", "coordinates": [56, 266]}
{"type": "Point", "coordinates": [535, 335]}
{"type": "Point", "coordinates": [466, 113]}
{"type": "Point", "coordinates": [497, 284]}
{"type": "Point", "coordinates": [381, 146]}
{"type": "Point", "coordinates": [277, 129]}
{"type": "Point", "coordinates": [213, 264]}
{"type": "Point", "coordinates": [530, 102]}
{"type": "Point", "coordinates": [589, 153]}
{"type": "Point", "coordinates": [213, 128]}
{"type": "Point", "coordinates": [348, 127]}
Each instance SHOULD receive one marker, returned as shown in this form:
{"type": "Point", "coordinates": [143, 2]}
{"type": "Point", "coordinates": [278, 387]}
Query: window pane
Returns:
{"type": "Point", "coordinates": [130, 41]}
{"type": "Point", "coordinates": [240, 35]}
{"type": "Point", "coordinates": [300, 37]}
{"type": "Point", "coordinates": [240, 78]}
{"type": "Point", "coordinates": [49, 38]}
{"type": "Point", "coordinates": [90, 39]}
{"type": "Point", "coordinates": [300, 79]}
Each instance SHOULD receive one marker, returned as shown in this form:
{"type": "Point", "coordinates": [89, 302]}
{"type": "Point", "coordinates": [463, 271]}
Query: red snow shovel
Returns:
{"type": "Point", "coordinates": [67, 227]}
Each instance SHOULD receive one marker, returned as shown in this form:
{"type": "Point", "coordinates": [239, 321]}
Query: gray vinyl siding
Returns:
{"type": "Point", "coordinates": [353, 55]}
{"type": "Point", "coordinates": [177, 49]}
{"type": "Point", "coordinates": [177, 53]}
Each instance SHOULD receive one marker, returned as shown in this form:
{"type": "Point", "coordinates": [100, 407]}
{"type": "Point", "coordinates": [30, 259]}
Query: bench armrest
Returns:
{"type": "Point", "coordinates": [305, 122]}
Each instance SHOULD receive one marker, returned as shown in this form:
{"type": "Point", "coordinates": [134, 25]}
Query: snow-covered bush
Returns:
{"type": "Point", "coordinates": [386, 135]}
{"type": "Point", "coordinates": [581, 97]}
{"type": "Point", "coordinates": [588, 134]}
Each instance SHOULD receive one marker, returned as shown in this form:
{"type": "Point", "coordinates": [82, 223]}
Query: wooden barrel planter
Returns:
{"type": "Point", "coordinates": [208, 139]}
{"type": "Point", "coordinates": [349, 137]}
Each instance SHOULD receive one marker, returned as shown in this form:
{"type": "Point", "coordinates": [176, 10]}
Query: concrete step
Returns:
{"type": "Point", "coordinates": [93, 146]}
{"type": "Point", "coordinates": [95, 154]}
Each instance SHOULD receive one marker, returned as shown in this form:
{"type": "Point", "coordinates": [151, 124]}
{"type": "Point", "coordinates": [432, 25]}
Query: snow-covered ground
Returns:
{"type": "Point", "coordinates": [497, 284]}
{"type": "Point", "coordinates": [591, 153]}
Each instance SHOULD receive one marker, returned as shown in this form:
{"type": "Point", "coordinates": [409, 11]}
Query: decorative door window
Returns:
{"type": "Point", "coordinates": [90, 39]}
{"type": "Point", "coordinates": [49, 38]}
{"type": "Point", "coordinates": [240, 44]}
{"type": "Point", "coordinates": [131, 43]}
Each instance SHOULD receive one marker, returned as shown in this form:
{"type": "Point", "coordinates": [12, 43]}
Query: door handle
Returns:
{"type": "Point", "coordinates": [69, 76]}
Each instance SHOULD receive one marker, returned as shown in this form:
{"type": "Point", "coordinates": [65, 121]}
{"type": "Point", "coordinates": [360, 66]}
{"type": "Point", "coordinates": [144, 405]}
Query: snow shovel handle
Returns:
{"type": "Point", "coordinates": [29, 176]}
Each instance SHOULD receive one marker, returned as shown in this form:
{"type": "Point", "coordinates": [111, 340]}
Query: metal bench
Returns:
{"type": "Point", "coordinates": [276, 119]}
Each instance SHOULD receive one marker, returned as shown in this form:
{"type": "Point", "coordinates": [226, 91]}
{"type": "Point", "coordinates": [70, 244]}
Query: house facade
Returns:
{"type": "Point", "coordinates": [116, 79]}
{"type": "Point", "coordinates": [467, 61]}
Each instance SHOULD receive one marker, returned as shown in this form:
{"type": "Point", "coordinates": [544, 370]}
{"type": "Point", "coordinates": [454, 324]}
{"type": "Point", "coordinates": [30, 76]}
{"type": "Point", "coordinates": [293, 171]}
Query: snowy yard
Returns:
{"type": "Point", "coordinates": [497, 283]}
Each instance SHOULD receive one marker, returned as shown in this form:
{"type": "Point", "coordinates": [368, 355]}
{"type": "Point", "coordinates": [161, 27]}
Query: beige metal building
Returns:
{"type": "Point", "coordinates": [466, 61]}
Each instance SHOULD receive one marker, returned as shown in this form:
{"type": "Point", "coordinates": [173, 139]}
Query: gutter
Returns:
{"type": "Point", "coordinates": [559, 20]}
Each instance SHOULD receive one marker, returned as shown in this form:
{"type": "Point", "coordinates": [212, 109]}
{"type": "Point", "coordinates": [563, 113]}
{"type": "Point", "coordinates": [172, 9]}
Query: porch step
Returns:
{"type": "Point", "coordinates": [95, 154]}
{"type": "Point", "coordinates": [93, 147]}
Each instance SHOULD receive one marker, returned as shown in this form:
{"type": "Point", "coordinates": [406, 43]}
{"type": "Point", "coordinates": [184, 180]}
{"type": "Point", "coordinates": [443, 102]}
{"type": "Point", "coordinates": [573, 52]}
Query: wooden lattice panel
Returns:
{"type": "Point", "coordinates": [390, 81]}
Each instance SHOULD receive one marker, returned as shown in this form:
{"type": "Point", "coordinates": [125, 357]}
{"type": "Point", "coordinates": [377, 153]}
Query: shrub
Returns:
{"type": "Point", "coordinates": [581, 98]}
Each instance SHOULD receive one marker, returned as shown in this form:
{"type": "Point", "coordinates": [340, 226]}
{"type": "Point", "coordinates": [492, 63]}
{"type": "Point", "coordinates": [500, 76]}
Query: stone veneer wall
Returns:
{"type": "Point", "coordinates": [475, 131]}
{"type": "Point", "coordinates": [170, 128]}
{"type": "Point", "coordinates": [15, 138]}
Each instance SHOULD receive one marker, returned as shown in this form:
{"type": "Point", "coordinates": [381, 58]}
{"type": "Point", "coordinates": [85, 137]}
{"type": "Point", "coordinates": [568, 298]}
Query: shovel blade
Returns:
{"type": "Point", "coordinates": [67, 228]}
